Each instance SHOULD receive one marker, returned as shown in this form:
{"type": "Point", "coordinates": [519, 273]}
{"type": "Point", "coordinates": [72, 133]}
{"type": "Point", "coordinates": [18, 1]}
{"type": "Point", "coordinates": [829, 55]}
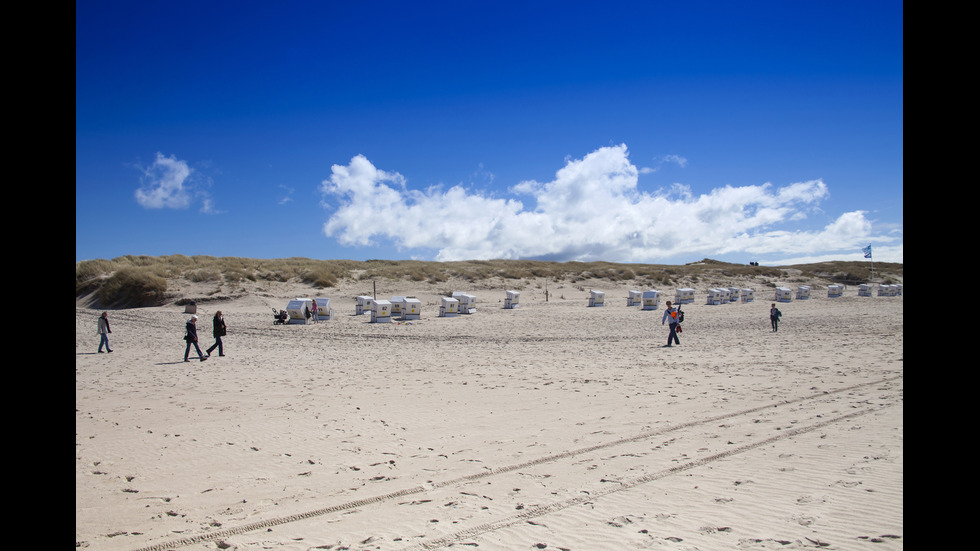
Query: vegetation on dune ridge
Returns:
{"type": "Point", "coordinates": [133, 281]}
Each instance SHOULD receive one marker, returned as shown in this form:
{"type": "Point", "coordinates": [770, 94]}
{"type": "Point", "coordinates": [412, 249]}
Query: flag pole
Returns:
{"type": "Point", "coordinates": [872, 264]}
{"type": "Point", "coordinates": [867, 254]}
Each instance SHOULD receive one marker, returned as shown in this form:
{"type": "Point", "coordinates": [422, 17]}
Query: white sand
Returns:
{"type": "Point", "coordinates": [551, 426]}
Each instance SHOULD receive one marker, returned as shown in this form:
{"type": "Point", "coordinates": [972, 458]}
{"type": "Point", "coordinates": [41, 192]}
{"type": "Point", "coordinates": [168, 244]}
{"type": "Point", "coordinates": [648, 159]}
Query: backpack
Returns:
{"type": "Point", "coordinates": [680, 315]}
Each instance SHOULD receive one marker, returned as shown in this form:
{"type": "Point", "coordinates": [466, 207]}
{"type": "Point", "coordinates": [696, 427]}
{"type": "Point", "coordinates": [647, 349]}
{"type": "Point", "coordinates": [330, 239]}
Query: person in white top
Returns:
{"type": "Point", "coordinates": [672, 315]}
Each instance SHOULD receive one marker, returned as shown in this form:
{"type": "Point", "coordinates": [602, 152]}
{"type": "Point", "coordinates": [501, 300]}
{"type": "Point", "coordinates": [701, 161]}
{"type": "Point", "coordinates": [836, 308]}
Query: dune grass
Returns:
{"type": "Point", "coordinates": [129, 281]}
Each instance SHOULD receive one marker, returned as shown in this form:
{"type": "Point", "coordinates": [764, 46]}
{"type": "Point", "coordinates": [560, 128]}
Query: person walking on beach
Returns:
{"type": "Point", "coordinates": [220, 330]}
{"type": "Point", "coordinates": [191, 338]}
{"type": "Point", "coordinates": [774, 315]}
{"type": "Point", "coordinates": [672, 315]}
{"type": "Point", "coordinates": [315, 308]}
{"type": "Point", "coordinates": [104, 332]}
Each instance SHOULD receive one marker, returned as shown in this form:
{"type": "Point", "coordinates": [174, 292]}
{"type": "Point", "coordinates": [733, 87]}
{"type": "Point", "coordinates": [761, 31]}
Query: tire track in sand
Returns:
{"type": "Point", "coordinates": [557, 506]}
{"type": "Point", "coordinates": [538, 511]}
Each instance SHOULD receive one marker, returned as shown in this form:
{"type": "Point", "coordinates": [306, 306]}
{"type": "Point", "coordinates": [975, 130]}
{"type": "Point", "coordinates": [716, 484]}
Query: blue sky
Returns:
{"type": "Point", "coordinates": [655, 132]}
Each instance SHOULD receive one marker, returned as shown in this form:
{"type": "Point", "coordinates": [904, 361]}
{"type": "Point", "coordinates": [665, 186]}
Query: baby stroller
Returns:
{"type": "Point", "coordinates": [281, 316]}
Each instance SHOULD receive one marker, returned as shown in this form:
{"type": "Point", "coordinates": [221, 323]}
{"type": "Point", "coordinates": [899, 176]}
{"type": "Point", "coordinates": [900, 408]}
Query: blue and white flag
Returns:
{"type": "Point", "coordinates": [867, 251]}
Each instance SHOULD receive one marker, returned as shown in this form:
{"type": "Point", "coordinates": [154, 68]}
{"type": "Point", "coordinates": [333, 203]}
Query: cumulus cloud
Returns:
{"type": "Point", "coordinates": [593, 209]}
{"type": "Point", "coordinates": [167, 184]}
{"type": "Point", "coordinates": [162, 184]}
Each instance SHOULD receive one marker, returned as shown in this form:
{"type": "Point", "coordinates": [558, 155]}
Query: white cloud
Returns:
{"type": "Point", "coordinates": [162, 184]}
{"type": "Point", "coordinates": [207, 205]}
{"type": "Point", "coordinates": [895, 253]}
{"type": "Point", "coordinates": [287, 194]}
{"type": "Point", "coordinates": [592, 210]}
{"type": "Point", "coordinates": [170, 183]}
{"type": "Point", "coordinates": [673, 159]}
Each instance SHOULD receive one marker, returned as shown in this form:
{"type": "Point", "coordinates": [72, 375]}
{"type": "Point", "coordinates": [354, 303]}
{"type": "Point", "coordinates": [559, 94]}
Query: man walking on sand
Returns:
{"type": "Point", "coordinates": [670, 314]}
{"type": "Point", "coordinates": [104, 332]}
{"type": "Point", "coordinates": [774, 315]}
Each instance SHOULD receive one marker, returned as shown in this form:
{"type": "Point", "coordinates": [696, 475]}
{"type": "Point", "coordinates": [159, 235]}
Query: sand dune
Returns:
{"type": "Point", "coordinates": [551, 426]}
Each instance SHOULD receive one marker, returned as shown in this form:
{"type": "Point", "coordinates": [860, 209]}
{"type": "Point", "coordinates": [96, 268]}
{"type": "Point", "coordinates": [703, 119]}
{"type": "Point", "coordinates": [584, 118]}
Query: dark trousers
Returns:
{"type": "Point", "coordinates": [775, 323]}
{"type": "Point", "coordinates": [187, 350]}
{"type": "Point", "coordinates": [673, 334]}
{"type": "Point", "coordinates": [217, 344]}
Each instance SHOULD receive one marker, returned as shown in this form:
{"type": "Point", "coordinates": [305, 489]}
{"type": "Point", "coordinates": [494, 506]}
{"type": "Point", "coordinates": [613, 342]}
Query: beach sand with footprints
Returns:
{"type": "Point", "coordinates": [551, 426]}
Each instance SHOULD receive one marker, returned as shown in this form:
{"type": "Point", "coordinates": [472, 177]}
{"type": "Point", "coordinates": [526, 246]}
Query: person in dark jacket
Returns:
{"type": "Point", "coordinates": [219, 331]}
{"type": "Point", "coordinates": [774, 315]}
{"type": "Point", "coordinates": [191, 338]}
{"type": "Point", "coordinates": [104, 332]}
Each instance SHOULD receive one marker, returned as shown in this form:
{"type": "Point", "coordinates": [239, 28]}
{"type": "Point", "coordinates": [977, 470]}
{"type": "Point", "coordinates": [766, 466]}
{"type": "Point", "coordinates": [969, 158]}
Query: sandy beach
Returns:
{"type": "Point", "coordinates": [553, 426]}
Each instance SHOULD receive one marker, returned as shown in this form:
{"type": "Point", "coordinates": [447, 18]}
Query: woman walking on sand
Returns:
{"type": "Point", "coordinates": [220, 330]}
